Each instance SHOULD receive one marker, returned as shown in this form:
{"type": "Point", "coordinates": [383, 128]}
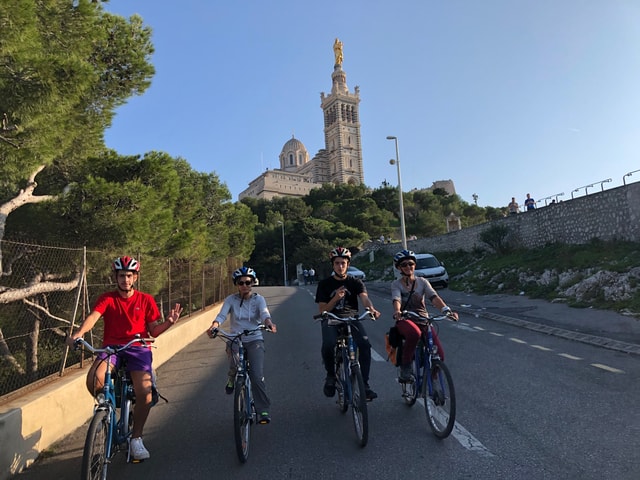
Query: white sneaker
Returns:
{"type": "Point", "coordinates": [137, 450]}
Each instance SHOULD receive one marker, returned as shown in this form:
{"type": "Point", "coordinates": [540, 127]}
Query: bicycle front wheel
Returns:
{"type": "Point", "coordinates": [242, 418]}
{"type": "Point", "coordinates": [439, 399]}
{"type": "Point", "coordinates": [342, 377]}
{"type": "Point", "coordinates": [359, 406]}
{"type": "Point", "coordinates": [94, 457]}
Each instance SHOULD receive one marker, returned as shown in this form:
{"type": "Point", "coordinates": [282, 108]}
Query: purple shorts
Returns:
{"type": "Point", "coordinates": [139, 359]}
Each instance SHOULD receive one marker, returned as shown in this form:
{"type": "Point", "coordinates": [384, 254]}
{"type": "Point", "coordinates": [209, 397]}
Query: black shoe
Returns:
{"type": "Point", "coordinates": [264, 418]}
{"type": "Point", "coordinates": [406, 375]}
{"type": "Point", "coordinates": [228, 388]}
{"type": "Point", "coordinates": [370, 394]}
{"type": "Point", "coordinates": [329, 386]}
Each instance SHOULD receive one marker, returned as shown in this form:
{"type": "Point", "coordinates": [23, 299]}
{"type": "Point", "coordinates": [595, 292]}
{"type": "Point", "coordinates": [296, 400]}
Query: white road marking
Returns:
{"type": "Point", "coordinates": [461, 434]}
{"type": "Point", "coordinates": [464, 327]}
{"type": "Point", "coordinates": [377, 357]}
{"type": "Point", "coordinates": [570, 357]}
{"type": "Point", "coordinates": [607, 368]}
{"type": "Point", "coordinates": [466, 439]}
{"type": "Point", "coordinates": [517, 340]}
{"type": "Point", "coordinates": [540, 347]}
{"type": "Point", "coordinates": [497, 334]}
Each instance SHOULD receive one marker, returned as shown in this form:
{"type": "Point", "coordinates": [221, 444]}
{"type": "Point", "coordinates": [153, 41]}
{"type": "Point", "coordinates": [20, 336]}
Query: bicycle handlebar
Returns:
{"type": "Point", "coordinates": [420, 319]}
{"type": "Point", "coordinates": [215, 332]}
{"type": "Point", "coordinates": [331, 317]}
{"type": "Point", "coordinates": [111, 349]}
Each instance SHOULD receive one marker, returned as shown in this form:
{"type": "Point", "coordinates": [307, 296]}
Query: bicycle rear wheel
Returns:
{"type": "Point", "coordinates": [242, 419]}
{"type": "Point", "coordinates": [359, 406]}
{"type": "Point", "coordinates": [94, 457]}
{"type": "Point", "coordinates": [440, 402]}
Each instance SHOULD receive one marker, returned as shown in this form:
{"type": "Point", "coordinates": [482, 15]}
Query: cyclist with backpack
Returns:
{"type": "Point", "coordinates": [409, 293]}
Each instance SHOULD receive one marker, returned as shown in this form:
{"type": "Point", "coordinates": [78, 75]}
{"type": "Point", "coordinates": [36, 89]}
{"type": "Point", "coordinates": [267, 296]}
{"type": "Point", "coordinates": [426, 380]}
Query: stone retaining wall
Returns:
{"type": "Point", "coordinates": [607, 215]}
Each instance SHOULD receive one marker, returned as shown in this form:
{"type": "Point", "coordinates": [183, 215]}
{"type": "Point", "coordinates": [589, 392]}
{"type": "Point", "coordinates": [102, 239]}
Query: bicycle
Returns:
{"type": "Point", "coordinates": [350, 384]}
{"type": "Point", "coordinates": [432, 379]}
{"type": "Point", "coordinates": [109, 433]}
{"type": "Point", "coordinates": [244, 411]}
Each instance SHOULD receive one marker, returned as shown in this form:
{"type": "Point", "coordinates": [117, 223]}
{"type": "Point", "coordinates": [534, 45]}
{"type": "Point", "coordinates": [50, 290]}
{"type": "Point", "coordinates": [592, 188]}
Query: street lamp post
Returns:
{"type": "Point", "coordinates": [284, 255]}
{"type": "Point", "coordinates": [397, 162]}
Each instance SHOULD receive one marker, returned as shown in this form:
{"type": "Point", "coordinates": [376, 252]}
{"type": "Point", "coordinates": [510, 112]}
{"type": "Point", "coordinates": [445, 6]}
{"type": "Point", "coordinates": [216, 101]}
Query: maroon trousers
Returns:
{"type": "Point", "coordinates": [411, 333]}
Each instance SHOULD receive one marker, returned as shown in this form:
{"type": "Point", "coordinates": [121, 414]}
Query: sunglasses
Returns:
{"type": "Point", "coordinates": [407, 264]}
{"type": "Point", "coordinates": [247, 283]}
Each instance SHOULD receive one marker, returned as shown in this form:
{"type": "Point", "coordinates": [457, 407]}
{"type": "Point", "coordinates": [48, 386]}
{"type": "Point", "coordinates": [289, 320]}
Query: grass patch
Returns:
{"type": "Point", "coordinates": [537, 272]}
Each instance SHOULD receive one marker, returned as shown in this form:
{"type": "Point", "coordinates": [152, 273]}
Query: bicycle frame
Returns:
{"type": "Point", "coordinates": [350, 384]}
{"type": "Point", "coordinates": [242, 376]}
{"type": "Point", "coordinates": [425, 355]}
{"type": "Point", "coordinates": [346, 348]}
{"type": "Point", "coordinates": [244, 409]}
{"type": "Point", "coordinates": [439, 398]}
{"type": "Point", "coordinates": [118, 428]}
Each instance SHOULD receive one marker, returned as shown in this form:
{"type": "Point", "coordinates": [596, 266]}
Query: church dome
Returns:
{"type": "Point", "coordinates": [294, 155]}
{"type": "Point", "coordinates": [293, 144]}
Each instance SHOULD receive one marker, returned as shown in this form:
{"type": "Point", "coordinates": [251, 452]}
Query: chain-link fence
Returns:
{"type": "Point", "coordinates": [46, 289]}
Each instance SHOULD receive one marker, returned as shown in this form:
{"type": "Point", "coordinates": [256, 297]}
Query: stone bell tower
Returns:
{"type": "Point", "coordinates": [342, 127]}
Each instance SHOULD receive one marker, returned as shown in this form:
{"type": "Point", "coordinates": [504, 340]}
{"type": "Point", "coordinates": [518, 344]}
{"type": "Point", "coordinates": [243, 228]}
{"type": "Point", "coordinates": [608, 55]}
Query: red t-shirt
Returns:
{"type": "Point", "coordinates": [126, 317]}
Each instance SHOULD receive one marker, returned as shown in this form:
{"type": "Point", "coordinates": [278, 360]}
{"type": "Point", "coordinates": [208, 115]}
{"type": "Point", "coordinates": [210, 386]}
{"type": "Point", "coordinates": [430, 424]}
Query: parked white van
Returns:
{"type": "Point", "coordinates": [431, 268]}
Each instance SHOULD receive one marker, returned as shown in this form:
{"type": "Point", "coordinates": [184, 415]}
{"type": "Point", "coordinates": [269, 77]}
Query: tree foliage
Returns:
{"type": "Point", "coordinates": [349, 216]}
{"type": "Point", "coordinates": [64, 68]}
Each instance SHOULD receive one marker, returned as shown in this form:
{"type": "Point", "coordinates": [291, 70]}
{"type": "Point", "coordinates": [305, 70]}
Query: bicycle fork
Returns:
{"type": "Point", "coordinates": [243, 379]}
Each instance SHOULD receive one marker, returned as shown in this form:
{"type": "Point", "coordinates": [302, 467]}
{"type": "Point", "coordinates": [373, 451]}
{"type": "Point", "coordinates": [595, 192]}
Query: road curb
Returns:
{"type": "Point", "coordinates": [630, 348]}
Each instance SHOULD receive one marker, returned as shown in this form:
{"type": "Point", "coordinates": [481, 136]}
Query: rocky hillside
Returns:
{"type": "Point", "coordinates": [602, 275]}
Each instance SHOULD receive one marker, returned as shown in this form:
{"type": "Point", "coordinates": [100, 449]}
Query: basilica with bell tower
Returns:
{"type": "Point", "coordinates": [339, 162]}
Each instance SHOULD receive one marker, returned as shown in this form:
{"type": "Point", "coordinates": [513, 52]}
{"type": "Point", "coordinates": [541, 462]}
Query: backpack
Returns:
{"type": "Point", "coordinates": [393, 343]}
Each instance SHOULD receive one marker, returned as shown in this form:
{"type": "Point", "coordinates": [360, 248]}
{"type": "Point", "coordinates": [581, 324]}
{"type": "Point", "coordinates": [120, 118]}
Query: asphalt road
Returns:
{"type": "Point", "coordinates": [531, 405]}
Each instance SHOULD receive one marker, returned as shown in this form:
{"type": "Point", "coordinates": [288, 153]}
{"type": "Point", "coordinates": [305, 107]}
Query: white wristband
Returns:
{"type": "Point", "coordinates": [445, 310]}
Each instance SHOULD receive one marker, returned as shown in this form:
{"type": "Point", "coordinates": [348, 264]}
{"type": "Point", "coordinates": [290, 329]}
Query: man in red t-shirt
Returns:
{"type": "Point", "coordinates": [127, 313]}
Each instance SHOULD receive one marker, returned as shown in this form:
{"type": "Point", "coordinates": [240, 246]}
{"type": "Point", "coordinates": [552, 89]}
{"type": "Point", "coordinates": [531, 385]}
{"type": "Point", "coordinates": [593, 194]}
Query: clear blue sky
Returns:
{"type": "Point", "coordinates": [504, 97]}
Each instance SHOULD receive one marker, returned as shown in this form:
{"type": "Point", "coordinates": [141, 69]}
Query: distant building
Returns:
{"type": "Point", "coordinates": [340, 162]}
{"type": "Point", "coordinates": [446, 185]}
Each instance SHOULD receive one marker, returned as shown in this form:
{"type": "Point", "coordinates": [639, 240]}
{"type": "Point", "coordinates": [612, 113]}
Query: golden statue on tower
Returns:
{"type": "Point", "coordinates": [337, 51]}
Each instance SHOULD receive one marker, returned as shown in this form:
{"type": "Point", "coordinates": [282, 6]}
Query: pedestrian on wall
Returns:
{"type": "Point", "coordinates": [513, 207]}
{"type": "Point", "coordinates": [530, 203]}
